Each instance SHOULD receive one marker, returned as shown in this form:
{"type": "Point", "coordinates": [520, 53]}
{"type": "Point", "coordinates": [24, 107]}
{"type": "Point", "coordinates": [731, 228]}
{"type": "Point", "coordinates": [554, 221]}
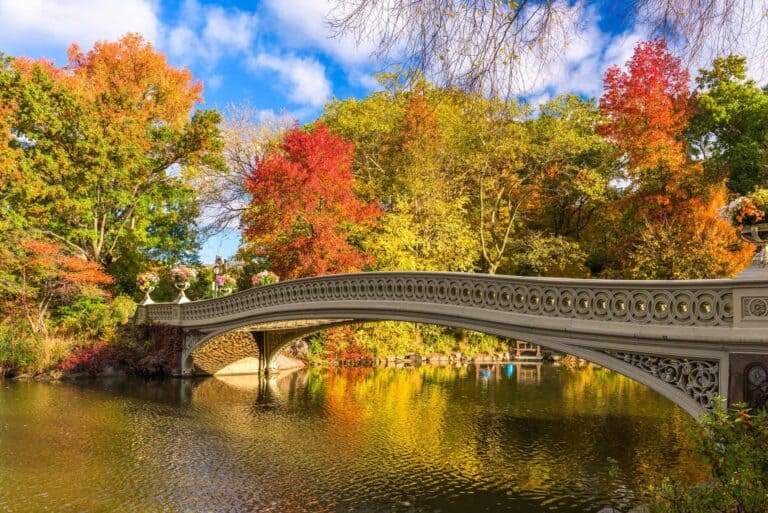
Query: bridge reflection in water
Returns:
{"type": "Point", "coordinates": [483, 438]}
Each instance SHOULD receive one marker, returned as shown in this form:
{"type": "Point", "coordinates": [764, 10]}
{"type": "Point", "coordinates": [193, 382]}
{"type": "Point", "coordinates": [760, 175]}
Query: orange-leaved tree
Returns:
{"type": "Point", "coordinates": [106, 127]}
{"type": "Point", "coordinates": [46, 273]}
{"type": "Point", "coordinates": [667, 195]}
{"type": "Point", "coordinates": [304, 217]}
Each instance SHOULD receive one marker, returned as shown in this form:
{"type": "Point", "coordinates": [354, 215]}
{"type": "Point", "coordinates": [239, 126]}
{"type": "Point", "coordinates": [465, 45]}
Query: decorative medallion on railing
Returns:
{"type": "Point", "coordinates": [756, 390]}
{"type": "Point", "coordinates": [698, 378]}
{"type": "Point", "coordinates": [670, 304]}
{"type": "Point", "coordinates": [754, 307]}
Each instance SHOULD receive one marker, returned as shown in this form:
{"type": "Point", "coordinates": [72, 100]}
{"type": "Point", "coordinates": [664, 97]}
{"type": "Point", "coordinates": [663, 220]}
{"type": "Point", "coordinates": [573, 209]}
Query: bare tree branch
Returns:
{"type": "Point", "coordinates": [247, 133]}
{"type": "Point", "coordinates": [702, 29]}
{"type": "Point", "coordinates": [501, 46]}
{"type": "Point", "coordinates": [490, 45]}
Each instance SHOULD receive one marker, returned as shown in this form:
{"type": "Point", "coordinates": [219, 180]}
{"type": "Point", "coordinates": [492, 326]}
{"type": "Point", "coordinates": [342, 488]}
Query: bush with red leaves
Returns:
{"type": "Point", "coordinates": [94, 358]}
{"type": "Point", "coordinates": [341, 346]}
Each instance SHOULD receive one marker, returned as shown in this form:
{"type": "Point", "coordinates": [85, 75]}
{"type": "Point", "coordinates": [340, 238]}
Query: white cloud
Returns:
{"type": "Point", "coordinates": [581, 65]}
{"type": "Point", "coordinates": [621, 47]}
{"type": "Point", "coordinates": [304, 77]}
{"type": "Point", "coordinates": [233, 30]}
{"type": "Point", "coordinates": [208, 32]}
{"type": "Point", "coordinates": [39, 23]}
{"type": "Point", "coordinates": [213, 82]}
{"type": "Point", "coordinates": [303, 23]}
{"type": "Point", "coordinates": [365, 80]}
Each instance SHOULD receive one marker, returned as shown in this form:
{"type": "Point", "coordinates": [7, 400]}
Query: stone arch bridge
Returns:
{"type": "Point", "coordinates": [688, 340]}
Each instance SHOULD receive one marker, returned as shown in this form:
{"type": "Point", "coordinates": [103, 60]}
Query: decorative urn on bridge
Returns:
{"type": "Point", "coordinates": [757, 234]}
{"type": "Point", "coordinates": [225, 283]}
{"type": "Point", "coordinates": [750, 214]}
{"type": "Point", "coordinates": [147, 282]}
{"type": "Point", "coordinates": [183, 277]}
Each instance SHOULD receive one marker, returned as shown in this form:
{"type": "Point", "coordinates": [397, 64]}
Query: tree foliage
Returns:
{"type": "Point", "coordinates": [470, 182]}
{"type": "Point", "coordinates": [404, 154]}
{"type": "Point", "coordinates": [92, 188]}
{"type": "Point", "coordinates": [729, 129]}
{"type": "Point", "coordinates": [731, 441]}
{"type": "Point", "coordinates": [90, 147]}
{"type": "Point", "coordinates": [304, 217]}
{"type": "Point", "coordinates": [46, 275]}
{"type": "Point", "coordinates": [668, 196]}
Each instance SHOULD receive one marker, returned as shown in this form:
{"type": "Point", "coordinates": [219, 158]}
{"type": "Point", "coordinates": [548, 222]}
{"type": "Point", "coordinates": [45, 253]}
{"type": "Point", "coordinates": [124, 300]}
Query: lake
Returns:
{"type": "Point", "coordinates": [509, 437]}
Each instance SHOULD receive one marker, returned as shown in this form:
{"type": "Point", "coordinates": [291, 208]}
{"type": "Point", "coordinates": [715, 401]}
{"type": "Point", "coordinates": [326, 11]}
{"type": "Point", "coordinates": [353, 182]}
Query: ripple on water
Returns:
{"type": "Point", "coordinates": [423, 440]}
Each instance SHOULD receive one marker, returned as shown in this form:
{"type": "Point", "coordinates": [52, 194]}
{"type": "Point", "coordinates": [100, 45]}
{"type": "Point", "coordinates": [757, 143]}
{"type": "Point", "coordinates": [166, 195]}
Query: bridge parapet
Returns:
{"type": "Point", "coordinates": [676, 303]}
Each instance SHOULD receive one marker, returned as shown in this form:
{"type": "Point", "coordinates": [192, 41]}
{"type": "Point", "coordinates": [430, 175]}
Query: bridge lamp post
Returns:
{"type": "Point", "coordinates": [219, 268]}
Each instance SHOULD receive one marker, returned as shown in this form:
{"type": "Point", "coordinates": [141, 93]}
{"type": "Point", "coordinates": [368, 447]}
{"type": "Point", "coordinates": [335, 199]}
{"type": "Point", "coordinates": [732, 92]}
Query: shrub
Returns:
{"type": "Point", "coordinates": [16, 352]}
{"type": "Point", "coordinates": [93, 358]}
{"type": "Point", "coordinates": [90, 317]}
{"type": "Point", "coordinates": [734, 443]}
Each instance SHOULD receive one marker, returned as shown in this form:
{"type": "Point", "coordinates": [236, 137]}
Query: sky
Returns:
{"type": "Point", "coordinates": [278, 56]}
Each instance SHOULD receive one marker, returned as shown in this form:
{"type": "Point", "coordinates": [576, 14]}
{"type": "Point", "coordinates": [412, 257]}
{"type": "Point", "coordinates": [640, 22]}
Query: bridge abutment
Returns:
{"type": "Point", "coordinates": [748, 379]}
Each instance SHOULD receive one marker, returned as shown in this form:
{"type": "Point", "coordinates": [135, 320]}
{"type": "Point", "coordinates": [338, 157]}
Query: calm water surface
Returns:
{"type": "Point", "coordinates": [504, 438]}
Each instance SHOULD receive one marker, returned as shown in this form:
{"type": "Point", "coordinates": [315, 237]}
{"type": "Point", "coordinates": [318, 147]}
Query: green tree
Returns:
{"type": "Point", "coordinates": [91, 149]}
{"type": "Point", "coordinates": [729, 129]}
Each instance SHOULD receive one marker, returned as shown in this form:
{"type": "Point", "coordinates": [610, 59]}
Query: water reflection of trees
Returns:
{"type": "Point", "coordinates": [473, 426]}
{"type": "Point", "coordinates": [329, 435]}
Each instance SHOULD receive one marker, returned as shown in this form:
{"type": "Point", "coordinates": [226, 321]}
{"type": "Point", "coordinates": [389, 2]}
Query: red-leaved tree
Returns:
{"type": "Point", "coordinates": [668, 197]}
{"type": "Point", "coordinates": [647, 110]}
{"type": "Point", "coordinates": [304, 217]}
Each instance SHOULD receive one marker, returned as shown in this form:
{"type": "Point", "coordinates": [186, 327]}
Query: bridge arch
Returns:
{"type": "Point", "coordinates": [695, 404]}
{"type": "Point", "coordinates": [674, 336]}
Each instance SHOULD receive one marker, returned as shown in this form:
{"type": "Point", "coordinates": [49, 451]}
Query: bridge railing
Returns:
{"type": "Point", "coordinates": [676, 303]}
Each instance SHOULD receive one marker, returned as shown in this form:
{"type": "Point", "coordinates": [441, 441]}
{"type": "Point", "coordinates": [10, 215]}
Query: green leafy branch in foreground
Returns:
{"type": "Point", "coordinates": [733, 442]}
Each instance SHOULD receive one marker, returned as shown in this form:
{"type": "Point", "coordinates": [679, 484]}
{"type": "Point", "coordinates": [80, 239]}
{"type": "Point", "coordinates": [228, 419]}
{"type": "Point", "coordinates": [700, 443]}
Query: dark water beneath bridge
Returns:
{"type": "Point", "coordinates": [505, 438]}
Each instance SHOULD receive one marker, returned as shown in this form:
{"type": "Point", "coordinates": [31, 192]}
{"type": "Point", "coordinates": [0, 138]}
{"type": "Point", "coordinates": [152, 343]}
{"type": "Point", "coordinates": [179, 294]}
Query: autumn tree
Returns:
{"type": "Point", "coordinates": [490, 153]}
{"type": "Point", "coordinates": [647, 109]}
{"type": "Point", "coordinates": [92, 148]}
{"type": "Point", "coordinates": [405, 155]}
{"type": "Point", "coordinates": [695, 244]}
{"type": "Point", "coordinates": [46, 274]}
{"type": "Point", "coordinates": [574, 162]}
{"type": "Point", "coordinates": [304, 216]}
{"type": "Point", "coordinates": [541, 177]}
{"type": "Point", "coordinates": [427, 223]}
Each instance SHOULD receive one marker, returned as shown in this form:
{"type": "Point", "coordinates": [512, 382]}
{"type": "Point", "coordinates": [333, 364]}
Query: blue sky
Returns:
{"type": "Point", "coordinates": [277, 55]}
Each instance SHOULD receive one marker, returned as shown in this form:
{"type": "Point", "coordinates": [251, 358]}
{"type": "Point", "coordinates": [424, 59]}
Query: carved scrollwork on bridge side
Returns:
{"type": "Point", "coordinates": [160, 312]}
{"type": "Point", "coordinates": [670, 304]}
{"type": "Point", "coordinates": [192, 339]}
{"type": "Point", "coordinates": [698, 378]}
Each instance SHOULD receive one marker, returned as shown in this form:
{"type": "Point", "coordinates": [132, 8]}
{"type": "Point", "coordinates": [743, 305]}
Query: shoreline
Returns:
{"type": "Point", "coordinates": [58, 375]}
